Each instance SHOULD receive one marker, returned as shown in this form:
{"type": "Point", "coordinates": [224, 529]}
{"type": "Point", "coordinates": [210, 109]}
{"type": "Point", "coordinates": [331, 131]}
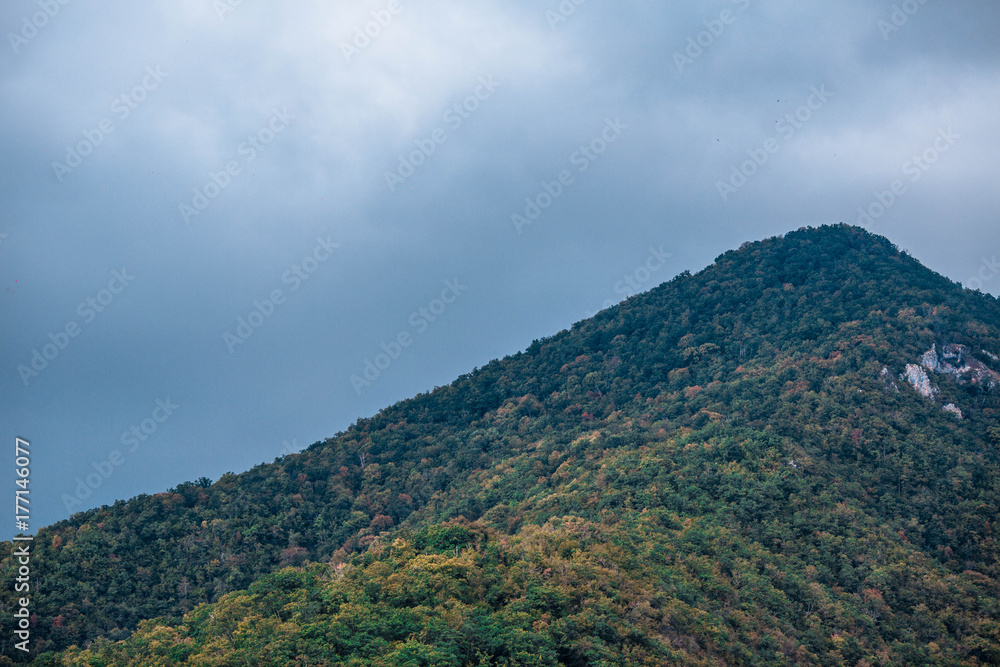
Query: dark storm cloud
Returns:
{"type": "Point", "coordinates": [229, 146]}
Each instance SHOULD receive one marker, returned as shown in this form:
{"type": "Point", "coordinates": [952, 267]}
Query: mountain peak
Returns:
{"type": "Point", "coordinates": [729, 454]}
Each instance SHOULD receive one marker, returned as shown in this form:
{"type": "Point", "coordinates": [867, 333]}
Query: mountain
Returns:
{"type": "Point", "coordinates": [791, 457]}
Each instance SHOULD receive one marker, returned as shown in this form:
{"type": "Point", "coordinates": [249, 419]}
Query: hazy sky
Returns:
{"type": "Point", "coordinates": [216, 215]}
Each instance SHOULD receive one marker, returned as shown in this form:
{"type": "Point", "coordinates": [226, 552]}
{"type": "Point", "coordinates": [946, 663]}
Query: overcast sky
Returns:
{"type": "Point", "coordinates": [216, 215]}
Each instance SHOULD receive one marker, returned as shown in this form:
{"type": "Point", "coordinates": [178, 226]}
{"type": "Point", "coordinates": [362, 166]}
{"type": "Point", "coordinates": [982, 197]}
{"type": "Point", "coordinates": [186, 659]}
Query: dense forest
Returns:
{"type": "Point", "coordinates": [790, 457]}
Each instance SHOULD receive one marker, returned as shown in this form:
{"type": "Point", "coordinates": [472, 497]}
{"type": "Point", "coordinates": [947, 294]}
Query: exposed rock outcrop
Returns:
{"type": "Point", "coordinates": [957, 360]}
{"type": "Point", "coordinates": [917, 377]}
{"type": "Point", "coordinates": [951, 407]}
{"type": "Point", "coordinates": [930, 359]}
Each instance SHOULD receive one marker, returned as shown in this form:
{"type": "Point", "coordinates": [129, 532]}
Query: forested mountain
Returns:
{"type": "Point", "coordinates": [791, 457]}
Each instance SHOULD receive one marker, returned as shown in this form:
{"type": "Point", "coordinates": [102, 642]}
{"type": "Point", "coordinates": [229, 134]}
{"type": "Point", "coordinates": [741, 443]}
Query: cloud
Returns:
{"type": "Point", "coordinates": [353, 117]}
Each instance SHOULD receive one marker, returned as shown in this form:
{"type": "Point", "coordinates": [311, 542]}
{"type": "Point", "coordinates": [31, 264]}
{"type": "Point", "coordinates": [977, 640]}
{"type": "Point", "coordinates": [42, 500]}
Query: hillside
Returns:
{"type": "Point", "coordinates": [791, 457]}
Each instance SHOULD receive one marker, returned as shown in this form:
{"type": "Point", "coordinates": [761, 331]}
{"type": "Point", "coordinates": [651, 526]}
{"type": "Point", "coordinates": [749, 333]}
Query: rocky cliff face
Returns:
{"type": "Point", "coordinates": [958, 360]}
{"type": "Point", "coordinates": [917, 377]}
{"type": "Point", "coordinates": [954, 360]}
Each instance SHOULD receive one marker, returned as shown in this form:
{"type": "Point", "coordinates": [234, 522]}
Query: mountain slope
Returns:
{"type": "Point", "coordinates": [736, 455]}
